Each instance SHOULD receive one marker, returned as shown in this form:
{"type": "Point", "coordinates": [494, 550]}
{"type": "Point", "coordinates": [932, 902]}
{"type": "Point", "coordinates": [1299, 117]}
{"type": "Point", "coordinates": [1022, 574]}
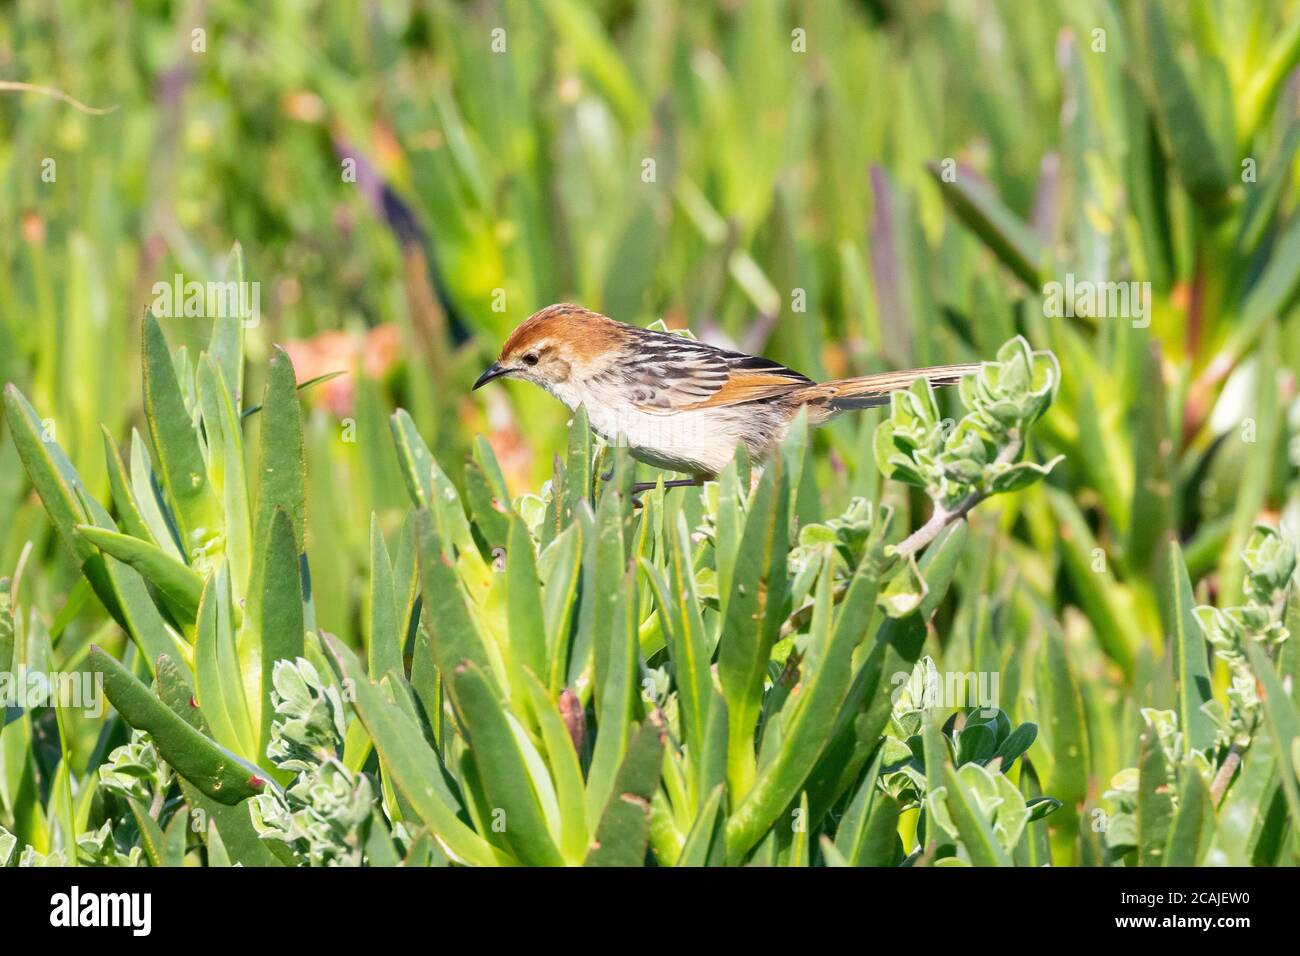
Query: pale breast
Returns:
{"type": "Point", "coordinates": [695, 441]}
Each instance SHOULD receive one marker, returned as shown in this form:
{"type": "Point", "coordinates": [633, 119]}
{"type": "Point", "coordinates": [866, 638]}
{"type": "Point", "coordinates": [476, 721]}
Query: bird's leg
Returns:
{"type": "Point", "coordinates": [641, 486]}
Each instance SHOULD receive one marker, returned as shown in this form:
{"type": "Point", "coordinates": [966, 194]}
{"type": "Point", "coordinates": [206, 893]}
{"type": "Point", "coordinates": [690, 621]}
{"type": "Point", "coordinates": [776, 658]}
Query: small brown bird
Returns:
{"type": "Point", "coordinates": [679, 403]}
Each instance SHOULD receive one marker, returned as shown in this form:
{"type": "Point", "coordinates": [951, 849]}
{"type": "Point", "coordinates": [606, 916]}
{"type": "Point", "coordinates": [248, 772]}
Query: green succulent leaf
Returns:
{"type": "Point", "coordinates": [414, 766]}
{"type": "Point", "coordinates": [214, 770]}
{"type": "Point", "coordinates": [520, 790]}
{"type": "Point", "coordinates": [184, 473]}
{"type": "Point", "coordinates": [622, 832]}
{"type": "Point", "coordinates": [173, 578]}
{"type": "Point", "coordinates": [754, 613]}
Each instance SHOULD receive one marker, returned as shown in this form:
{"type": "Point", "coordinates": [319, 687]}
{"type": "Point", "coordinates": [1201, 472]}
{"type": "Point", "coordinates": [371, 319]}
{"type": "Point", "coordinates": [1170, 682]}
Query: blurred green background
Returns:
{"type": "Point", "coordinates": [844, 186]}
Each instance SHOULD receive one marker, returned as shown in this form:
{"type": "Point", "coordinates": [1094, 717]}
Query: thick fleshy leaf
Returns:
{"type": "Point", "coordinates": [414, 457]}
{"type": "Point", "coordinates": [1188, 834]}
{"type": "Point", "coordinates": [59, 487]}
{"type": "Point", "coordinates": [488, 509]}
{"type": "Point", "coordinates": [868, 832]}
{"type": "Point", "coordinates": [565, 771]}
{"type": "Point", "coordinates": [1155, 804]}
{"type": "Point", "coordinates": [688, 647]}
{"type": "Point", "coordinates": [1187, 644]}
{"type": "Point", "coordinates": [225, 442]}
{"type": "Point", "coordinates": [615, 691]}
{"type": "Point", "coordinates": [128, 510]}
{"type": "Point", "coordinates": [1283, 727]}
{"type": "Point", "coordinates": [173, 578]}
{"type": "Point", "coordinates": [561, 567]}
{"type": "Point", "coordinates": [755, 611]}
{"type": "Point", "coordinates": [147, 491]}
{"type": "Point", "coordinates": [214, 770]}
{"type": "Point", "coordinates": [1186, 131]}
{"type": "Point", "coordinates": [456, 639]}
{"type": "Point", "coordinates": [175, 838]}
{"type": "Point", "coordinates": [184, 473]}
{"type": "Point", "coordinates": [151, 835]}
{"type": "Point", "coordinates": [976, 833]}
{"type": "Point", "coordinates": [226, 347]}
{"type": "Point", "coordinates": [282, 462]}
{"type": "Point", "coordinates": [6, 627]}
{"type": "Point", "coordinates": [705, 843]}
{"type": "Point", "coordinates": [1006, 234]}
{"type": "Point", "coordinates": [577, 470]}
{"type": "Point", "coordinates": [136, 608]}
{"type": "Point", "coordinates": [517, 791]}
{"type": "Point", "coordinates": [825, 674]}
{"type": "Point", "coordinates": [219, 678]}
{"type": "Point", "coordinates": [386, 634]}
{"type": "Point", "coordinates": [604, 564]}
{"type": "Point", "coordinates": [621, 835]}
{"type": "Point", "coordinates": [235, 834]}
{"type": "Point", "coordinates": [524, 615]}
{"type": "Point", "coordinates": [1033, 848]}
{"type": "Point", "coordinates": [1065, 722]}
{"type": "Point", "coordinates": [274, 617]}
{"type": "Point", "coordinates": [412, 763]}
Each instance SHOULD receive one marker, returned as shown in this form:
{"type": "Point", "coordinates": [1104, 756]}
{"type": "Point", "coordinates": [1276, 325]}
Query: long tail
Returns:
{"type": "Point", "coordinates": [868, 391]}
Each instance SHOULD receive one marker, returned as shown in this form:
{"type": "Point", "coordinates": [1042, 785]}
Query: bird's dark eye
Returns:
{"type": "Point", "coordinates": [530, 358]}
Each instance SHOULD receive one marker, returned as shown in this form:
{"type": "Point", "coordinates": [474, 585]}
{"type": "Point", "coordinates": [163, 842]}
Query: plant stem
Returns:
{"type": "Point", "coordinates": [942, 517]}
{"type": "Point", "coordinates": [1224, 776]}
{"type": "Point", "coordinates": [15, 86]}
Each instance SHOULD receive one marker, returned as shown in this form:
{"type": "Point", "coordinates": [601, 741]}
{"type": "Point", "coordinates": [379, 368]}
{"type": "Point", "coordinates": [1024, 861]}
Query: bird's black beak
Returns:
{"type": "Point", "coordinates": [495, 370]}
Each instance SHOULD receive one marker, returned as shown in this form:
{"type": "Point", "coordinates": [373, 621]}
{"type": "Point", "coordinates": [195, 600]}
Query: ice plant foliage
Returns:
{"type": "Point", "coordinates": [578, 677]}
{"type": "Point", "coordinates": [1191, 758]}
{"type": "Point", "coordinates": [325, 814]}
{"type": "Point", "coordinates": [959, 466]}
{"type": "Point", "coordinates": [762, 671]}
{"type": "Point", "coordinates": [585, 676]}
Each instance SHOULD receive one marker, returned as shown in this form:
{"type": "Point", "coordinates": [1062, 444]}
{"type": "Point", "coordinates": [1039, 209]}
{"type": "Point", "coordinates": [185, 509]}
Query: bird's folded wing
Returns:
{"type": "Point", "coordinates": [709, 379]}
{"type": "Point", "coordinates": [742, 386]}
